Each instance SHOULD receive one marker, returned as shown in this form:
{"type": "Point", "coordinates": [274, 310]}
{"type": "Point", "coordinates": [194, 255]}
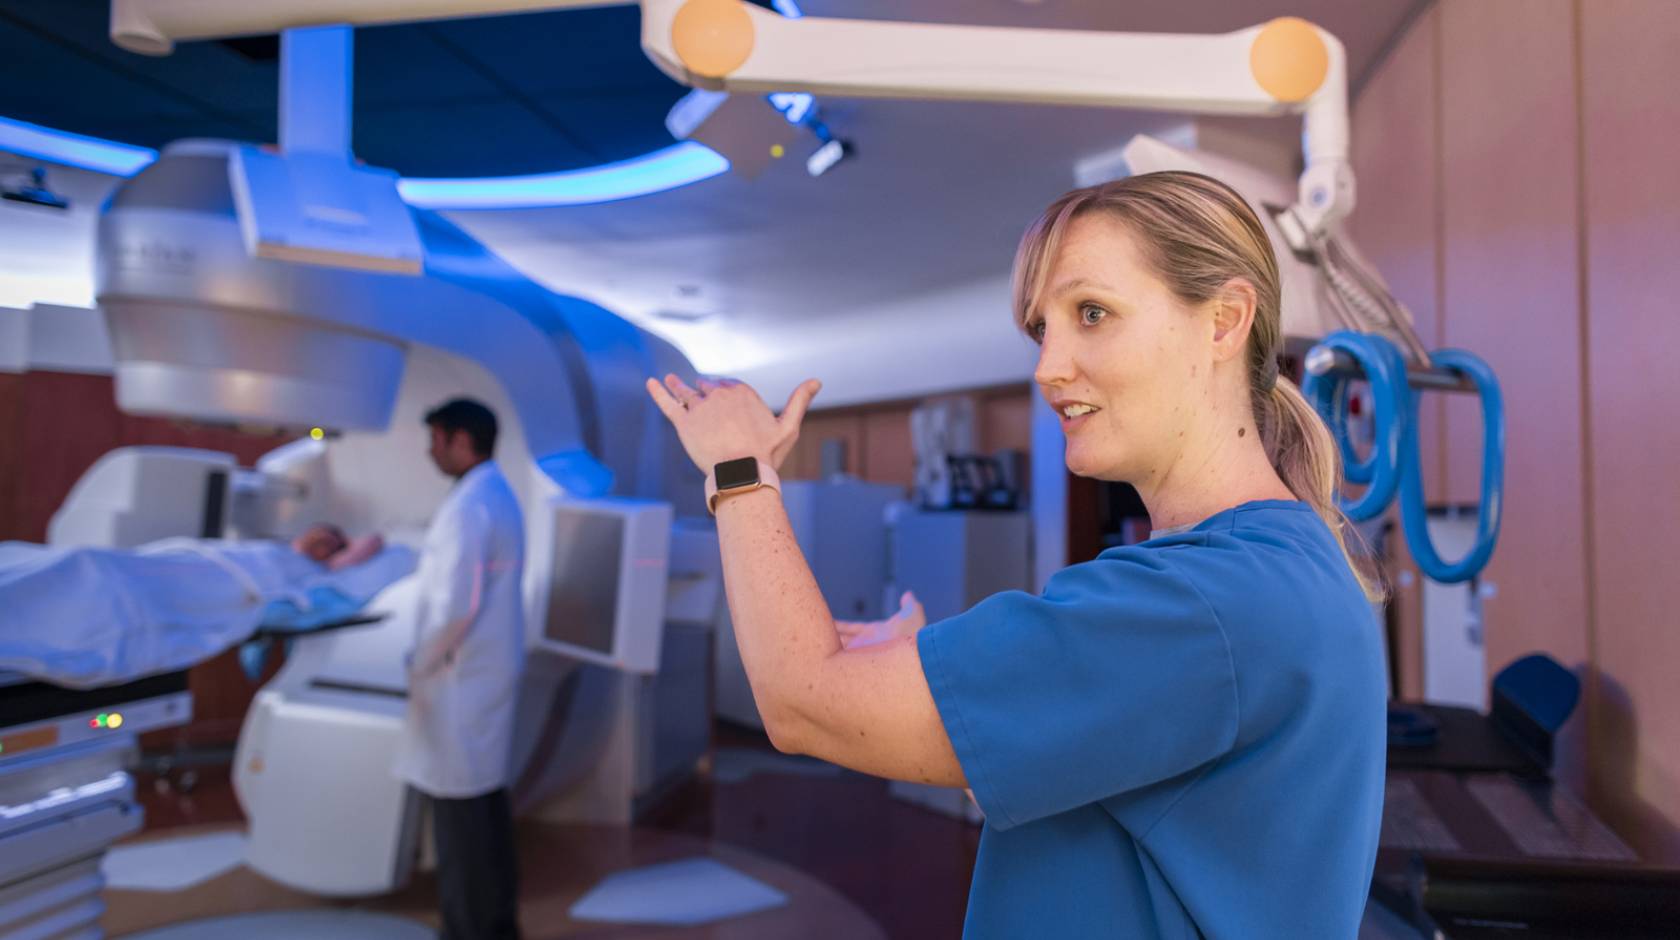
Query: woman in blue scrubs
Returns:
{"type": "Point", "coordinates": [1179, 739]}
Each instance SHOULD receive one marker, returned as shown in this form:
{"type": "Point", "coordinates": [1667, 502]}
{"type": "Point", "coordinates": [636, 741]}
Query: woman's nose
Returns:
{"type": "Point", "coordinates": [1055, 361]}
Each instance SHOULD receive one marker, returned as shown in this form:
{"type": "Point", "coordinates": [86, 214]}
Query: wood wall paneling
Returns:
{"type": "Point", "coordinates": [820, 426]}
{"type": "Point", "coordinates": [67, 422]}
{"type": "Point", "coordinates": [12, 458]}
{"type": "Point", "coordinates": [1511, 292]}
{"type": "Point", "coordinates": [1630, 67]}
{"type": "Point", "coordinates": [1555, 133]}
{"type": "Point", "coordinates": [879, 445]}
{"type": "Point", "coordinates": [1006, 421]}
{"type": "Point", "coordinates": [889, 453]}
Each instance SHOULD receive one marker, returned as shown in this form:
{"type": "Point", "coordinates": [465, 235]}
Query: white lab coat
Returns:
{"type": "Point", "coordinates": [469, 640]}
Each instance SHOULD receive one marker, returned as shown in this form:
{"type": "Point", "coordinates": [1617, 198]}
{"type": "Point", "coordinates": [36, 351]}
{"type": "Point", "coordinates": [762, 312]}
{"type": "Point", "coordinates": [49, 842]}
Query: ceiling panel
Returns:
{"type": "Point", "coordinates": [616, 126]}
{"type": "Point", "coordinates": [488, 96]}
{"type": "Point", "coordinates": [495, 136]}
{"type": "Point", "coordinates": [40, 82]}
{"type": "Point", "coordinates": [404, 65]}
{"type": "Point", "coordinates": [572, 50]}
{"type": "Point", "coordinates": [206, 77]}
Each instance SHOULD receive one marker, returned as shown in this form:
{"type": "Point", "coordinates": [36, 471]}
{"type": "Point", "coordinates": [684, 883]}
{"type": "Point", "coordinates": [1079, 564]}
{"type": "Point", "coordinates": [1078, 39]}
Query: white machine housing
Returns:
{"type": "Point", "coordinates": [202, 329]}
{"type": "Point", "coordinates": [135, 495]}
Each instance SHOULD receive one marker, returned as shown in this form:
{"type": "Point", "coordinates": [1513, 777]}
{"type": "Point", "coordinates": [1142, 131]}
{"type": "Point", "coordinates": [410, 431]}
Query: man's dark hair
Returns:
{"type": "Point", "coordinates": [464, 414]}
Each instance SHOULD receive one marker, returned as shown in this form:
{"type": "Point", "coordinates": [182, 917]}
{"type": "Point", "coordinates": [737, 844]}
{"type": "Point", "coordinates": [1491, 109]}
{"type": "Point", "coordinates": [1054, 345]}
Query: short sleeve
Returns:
{"type": "Point", "coordinates": [1117, 677]}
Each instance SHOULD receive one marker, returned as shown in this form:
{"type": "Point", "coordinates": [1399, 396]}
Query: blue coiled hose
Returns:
{"type": "Point", "coordinates": [1393, 463]}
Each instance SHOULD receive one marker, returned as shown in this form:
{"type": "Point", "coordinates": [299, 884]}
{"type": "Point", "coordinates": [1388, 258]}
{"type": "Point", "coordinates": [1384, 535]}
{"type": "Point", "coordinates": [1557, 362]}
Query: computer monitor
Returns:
{"type": "Point", "coordinates": [607, 562]}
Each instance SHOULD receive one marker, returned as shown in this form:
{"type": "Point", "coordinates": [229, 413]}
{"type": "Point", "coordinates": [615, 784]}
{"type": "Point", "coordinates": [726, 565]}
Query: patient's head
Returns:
{"type": "Point", "coordinates": [320, 542]}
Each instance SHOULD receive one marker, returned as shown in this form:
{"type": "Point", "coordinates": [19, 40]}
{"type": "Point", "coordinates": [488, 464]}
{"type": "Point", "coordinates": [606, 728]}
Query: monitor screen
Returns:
{"type": "Point", "coordinates": [583, 598]}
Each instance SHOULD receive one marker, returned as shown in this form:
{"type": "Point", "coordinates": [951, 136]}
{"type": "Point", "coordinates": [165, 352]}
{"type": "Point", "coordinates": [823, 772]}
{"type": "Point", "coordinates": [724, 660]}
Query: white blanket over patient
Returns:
{"type": "Point", "coordinates": [85, 617]}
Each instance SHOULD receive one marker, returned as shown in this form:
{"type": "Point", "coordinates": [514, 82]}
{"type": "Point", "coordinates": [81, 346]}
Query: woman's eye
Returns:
{"type": "Point", "coordinates": [1090, 314]}
{"type": "Point", "coordinates": [1035, 330]}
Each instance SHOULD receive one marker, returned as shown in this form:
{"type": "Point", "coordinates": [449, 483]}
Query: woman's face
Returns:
{"type": "Point", "coordinates": [1119, 349]}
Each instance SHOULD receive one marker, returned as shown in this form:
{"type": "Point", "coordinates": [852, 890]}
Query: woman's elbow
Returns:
{"type": "Point", "coordinates": [786, 730]}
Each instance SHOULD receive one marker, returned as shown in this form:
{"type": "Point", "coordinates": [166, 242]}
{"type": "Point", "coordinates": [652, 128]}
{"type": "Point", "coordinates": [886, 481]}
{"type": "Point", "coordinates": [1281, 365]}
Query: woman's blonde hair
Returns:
{"type": "Point", "coordinates": [1198, 235]}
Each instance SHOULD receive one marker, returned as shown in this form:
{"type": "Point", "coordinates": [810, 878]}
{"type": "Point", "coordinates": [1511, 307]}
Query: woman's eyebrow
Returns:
{"type": "Point", "coordinates": [1073, 284]}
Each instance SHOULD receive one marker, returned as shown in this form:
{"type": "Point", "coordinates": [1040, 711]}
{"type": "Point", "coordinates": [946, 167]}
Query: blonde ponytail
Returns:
{"type": "Point", "coordinates": [1305, 456]}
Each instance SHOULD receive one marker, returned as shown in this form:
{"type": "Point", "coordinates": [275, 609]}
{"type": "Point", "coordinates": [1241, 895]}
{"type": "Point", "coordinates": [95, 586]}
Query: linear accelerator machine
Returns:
{"type": "Point", "coordinates": [622, 578]}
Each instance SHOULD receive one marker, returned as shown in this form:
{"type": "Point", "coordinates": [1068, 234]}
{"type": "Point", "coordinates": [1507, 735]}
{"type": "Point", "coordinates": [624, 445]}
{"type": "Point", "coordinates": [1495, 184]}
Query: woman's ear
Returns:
{"type": "Point", "coordinates": [1233, 317]}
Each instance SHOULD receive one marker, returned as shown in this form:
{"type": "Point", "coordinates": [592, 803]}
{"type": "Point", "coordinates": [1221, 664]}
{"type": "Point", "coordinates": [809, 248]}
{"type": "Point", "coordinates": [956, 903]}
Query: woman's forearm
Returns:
{"type": "Point", "coordinates": [870, 710]}
{"type": "Point", "coordinates": [782, 623]}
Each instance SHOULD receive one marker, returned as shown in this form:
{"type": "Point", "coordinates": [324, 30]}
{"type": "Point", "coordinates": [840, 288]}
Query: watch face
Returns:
{"type": "Point", "coordinates": [736, 473]}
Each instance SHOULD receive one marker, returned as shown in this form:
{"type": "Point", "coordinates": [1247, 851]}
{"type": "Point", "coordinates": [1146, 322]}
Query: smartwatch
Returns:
{"type": "Point", "coordinates": [742, 475]}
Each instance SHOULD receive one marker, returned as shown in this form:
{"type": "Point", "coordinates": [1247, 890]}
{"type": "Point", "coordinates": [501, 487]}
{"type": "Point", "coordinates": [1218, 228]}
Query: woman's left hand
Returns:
{"type": "Point", "coordinates": [725, 419]}
{"type": "Point", "coordinates": [906, 621]}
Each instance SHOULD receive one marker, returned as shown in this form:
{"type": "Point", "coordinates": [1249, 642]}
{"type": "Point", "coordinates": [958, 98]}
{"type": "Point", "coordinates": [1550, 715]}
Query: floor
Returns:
{"type": "Point", "coordinates": [855, 862]}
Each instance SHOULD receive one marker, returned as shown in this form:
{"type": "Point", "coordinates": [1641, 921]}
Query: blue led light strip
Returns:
{"type": "Point", "coordinates": [674, 166]}
{"type": "Point", "coordinates": [89, 153]}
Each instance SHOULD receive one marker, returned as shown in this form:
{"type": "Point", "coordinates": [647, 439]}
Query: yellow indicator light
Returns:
{"type": "Point", "coordinates": [317, 434]}
{"type": "Point", "coordinates": [113, 721]}
{"type": "Point", "coordinates": [777, 150]}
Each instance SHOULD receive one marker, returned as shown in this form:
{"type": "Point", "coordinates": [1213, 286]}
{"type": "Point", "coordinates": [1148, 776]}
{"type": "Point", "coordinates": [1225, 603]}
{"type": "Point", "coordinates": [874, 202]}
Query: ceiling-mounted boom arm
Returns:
{"type": "Point", "coordinates": [1286, 66]}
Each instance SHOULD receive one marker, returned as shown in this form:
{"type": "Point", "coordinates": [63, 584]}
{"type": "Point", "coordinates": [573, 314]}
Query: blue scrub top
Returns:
{"type": "Point", "coordinates": [1180, 739]}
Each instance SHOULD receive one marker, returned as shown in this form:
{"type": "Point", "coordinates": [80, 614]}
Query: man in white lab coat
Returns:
{"type": "Point", "coordinates": [464, 677]}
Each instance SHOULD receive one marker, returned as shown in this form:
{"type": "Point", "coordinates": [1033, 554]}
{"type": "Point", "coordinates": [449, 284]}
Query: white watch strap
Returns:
{"type": "Point", "coordinates": [766, 478]}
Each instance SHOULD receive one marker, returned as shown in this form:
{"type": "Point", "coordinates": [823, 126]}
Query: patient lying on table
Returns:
{"type": "Point", "coordinates": [328, 545]}
{"type": "Point", "coordinates": [92, 616]}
